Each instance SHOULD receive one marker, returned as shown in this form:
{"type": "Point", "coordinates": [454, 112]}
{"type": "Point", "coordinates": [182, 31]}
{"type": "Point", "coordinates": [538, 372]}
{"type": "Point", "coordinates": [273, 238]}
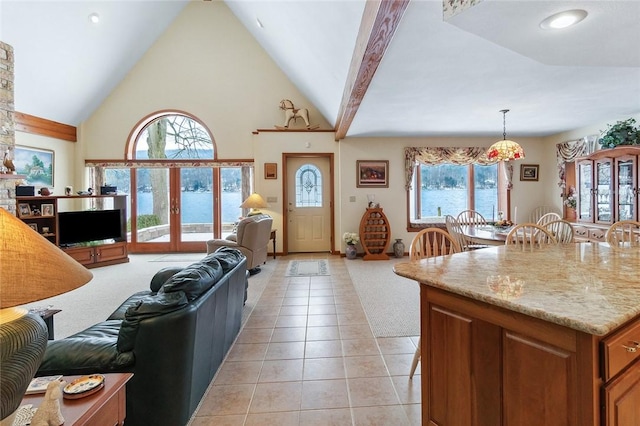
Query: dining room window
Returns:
{"type": "Point", "coordinates": [446, 181]}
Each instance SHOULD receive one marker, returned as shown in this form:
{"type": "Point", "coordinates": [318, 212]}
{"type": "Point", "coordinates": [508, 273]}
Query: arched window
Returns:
{"type": "Point", "coordinates": [171, 135]}
{"type": "Point", "coordinates": [308, 186]}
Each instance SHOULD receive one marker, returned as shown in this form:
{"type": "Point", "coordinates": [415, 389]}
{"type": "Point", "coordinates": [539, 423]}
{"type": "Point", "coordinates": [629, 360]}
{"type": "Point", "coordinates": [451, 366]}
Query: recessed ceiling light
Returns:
{"type": "Point", "coordinates": [94, 18]}
{"type": "Point", "coordinates": [563, 19]}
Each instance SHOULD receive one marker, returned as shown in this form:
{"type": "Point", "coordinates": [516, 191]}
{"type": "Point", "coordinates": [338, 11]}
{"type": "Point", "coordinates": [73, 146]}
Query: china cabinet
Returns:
{"type": "Point", "coordinates": [375, 234]}
{"type": "Point", "coordinates": [607, 186]}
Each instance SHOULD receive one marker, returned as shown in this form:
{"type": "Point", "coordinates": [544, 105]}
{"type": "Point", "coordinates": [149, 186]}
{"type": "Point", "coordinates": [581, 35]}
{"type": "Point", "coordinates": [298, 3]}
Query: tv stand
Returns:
{"type": "Point", "coordinates": [99, 255]}
{"type": "Point", "coordinates": [42, 216]}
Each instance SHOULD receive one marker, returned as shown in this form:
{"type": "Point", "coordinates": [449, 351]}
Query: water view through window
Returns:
{"type": "Point", "coordinates": [449, 189]}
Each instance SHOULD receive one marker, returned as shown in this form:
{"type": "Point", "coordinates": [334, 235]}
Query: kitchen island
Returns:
{"type": "Point", "coordinates": [549, 337]}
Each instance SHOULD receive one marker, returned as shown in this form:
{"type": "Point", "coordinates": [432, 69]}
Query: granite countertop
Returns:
{"type": "Point", "coordinates": [588, 287]}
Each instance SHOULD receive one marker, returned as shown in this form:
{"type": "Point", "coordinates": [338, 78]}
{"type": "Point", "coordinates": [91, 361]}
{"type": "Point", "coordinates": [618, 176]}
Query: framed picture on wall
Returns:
{"type": "Point", "coordinates": [529, 172]}
{"type": "Point", "coordinates": [36, 164]}
{"type": "Point", "coordinates": [372, 173]}
{"type": "Point", "coordinates": [271, 170]}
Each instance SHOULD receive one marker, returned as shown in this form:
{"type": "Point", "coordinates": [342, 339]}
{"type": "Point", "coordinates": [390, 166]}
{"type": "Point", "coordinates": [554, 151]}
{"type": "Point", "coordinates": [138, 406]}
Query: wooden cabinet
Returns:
{"type": "Point", "coordinates": [101, 255]}
{"type": "Point", "coordinates": [483, 365]}
{"type": "Point", "coordinates": [41, 213]}
{"type": "Point", "coordinates": [375, 234]}
{"type": "Point", "coordinates": [621, 372]}
{"type": "Point", "coordinates": [607, 186]}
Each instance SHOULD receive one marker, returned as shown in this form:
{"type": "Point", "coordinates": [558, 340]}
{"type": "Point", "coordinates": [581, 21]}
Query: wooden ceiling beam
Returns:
{"type": "Point", "coordinates": [379, 23]}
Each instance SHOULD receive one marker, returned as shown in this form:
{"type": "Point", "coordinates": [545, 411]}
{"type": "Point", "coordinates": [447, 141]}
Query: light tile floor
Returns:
{"type": "Point", "coordinates": [306, 356]}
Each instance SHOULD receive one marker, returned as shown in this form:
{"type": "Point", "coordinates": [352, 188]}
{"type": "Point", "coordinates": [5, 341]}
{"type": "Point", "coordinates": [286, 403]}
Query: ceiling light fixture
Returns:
{"type": "Point", "coordinates": [94, 18]}
{"type": "Point", "coordinates": [259, 23]}
{"type": "Point", "coordinates": [563, 19]}
{"type": "Point", "coordinates": [505, 149]}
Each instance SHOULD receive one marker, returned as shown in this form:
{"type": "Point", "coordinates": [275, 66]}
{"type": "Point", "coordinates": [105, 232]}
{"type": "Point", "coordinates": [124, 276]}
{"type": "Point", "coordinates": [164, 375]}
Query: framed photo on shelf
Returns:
{"type": "Point", "coordinates": [271, 170]}
{"type": "Point", "coordinates": [36, 164]}
{"type": "Point", "coordinates": [529, 172]}
{"type": "Point", "coordinates": [372, 173]}
{"type": "Point", "coordinates": [47, 209]}
{"type": "Point", "coordinates": [24, 210]}
{"type": "Point", "coordinates": [33, 226]}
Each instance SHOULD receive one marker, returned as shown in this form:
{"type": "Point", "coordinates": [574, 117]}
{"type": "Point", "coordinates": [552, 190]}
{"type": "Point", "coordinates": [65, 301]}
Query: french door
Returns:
{"type": "Point", "coordinates": [174, 209]}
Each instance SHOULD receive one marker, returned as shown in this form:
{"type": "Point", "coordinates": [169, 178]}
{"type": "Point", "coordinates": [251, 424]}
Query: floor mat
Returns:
{"type": "Point", "coordinates": [307, 268]}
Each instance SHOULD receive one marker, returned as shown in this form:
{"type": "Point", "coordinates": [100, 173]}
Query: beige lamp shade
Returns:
{"type": "Point", "coordinates": [254, 201]}
{"type": "Point", "coordinates": [31, 267]}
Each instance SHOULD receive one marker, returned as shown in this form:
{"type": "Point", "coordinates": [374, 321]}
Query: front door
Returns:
{"type": "Point", "coordinates": [308, 203]}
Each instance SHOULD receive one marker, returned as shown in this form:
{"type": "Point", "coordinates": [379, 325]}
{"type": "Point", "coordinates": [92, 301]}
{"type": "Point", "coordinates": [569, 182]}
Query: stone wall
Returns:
{"type": "Point", "coordinates": [7, 132]}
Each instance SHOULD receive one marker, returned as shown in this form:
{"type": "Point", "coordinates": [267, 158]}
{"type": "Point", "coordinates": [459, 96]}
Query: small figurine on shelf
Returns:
{"type": "Point", "coordinates": [49, 413]}
{"type": "Point", "coordinates": [44, 191]}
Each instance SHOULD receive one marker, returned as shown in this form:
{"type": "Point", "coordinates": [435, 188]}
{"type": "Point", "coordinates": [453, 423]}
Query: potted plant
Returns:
{"type": "Point", "coordinates": [351, 238]}
{"type": "Point", "coordinates": [621, 133]}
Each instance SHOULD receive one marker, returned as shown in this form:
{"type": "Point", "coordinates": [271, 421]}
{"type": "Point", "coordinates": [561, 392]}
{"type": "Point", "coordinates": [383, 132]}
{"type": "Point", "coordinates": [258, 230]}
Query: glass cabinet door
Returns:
{"type": "Point", "coordinates": [585, 191]}
{"type": "Point", "coordinates": [626, 194]}
{"type": "Point", "coordinates": [603, 191]}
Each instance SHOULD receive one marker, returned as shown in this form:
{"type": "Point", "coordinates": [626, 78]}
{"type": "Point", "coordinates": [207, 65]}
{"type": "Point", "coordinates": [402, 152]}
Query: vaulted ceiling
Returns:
{"type": "Point", "coordinates": [376, 68]}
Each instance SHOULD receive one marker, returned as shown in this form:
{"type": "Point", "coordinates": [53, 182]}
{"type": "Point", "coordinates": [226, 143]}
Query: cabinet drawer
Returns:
{"type": "Point", "coordinates": [581, 232]}
{"type": "Point", "coordinates": [621, 349]}
{"type": "Point", "coordinates": [597, 234]}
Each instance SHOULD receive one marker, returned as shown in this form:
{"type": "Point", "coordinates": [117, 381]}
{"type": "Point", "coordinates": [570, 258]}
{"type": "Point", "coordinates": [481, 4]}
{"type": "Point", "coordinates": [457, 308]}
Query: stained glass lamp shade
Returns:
{"type": "Point", "coordinates": [505, 149]}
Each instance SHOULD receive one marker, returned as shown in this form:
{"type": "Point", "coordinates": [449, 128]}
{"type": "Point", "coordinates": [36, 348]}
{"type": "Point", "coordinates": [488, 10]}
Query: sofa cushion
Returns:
{"type": "Point", "coordinates": [195, 279]}
{"type": "Point", "coordinates": [147, 307]}
{"type": "Point", "coordinates": [89, 351]}
{"type": "Point", "coordinates": [131, 301]}
{"type": "Point", "coordinates": [227, 257]}
{"type": "Point", "coordinates": [162, 276]}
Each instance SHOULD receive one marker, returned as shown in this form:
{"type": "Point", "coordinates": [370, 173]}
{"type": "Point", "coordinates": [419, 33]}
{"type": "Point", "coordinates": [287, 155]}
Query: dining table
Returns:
{"type": "Point", "coordinates": [486, 234]}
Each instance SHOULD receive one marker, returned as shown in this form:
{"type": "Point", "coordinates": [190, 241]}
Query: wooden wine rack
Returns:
{"type": "Point", "coordinates": [375, 234]}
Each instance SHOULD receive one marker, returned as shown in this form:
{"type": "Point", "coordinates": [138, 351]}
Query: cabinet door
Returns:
{"type": "Point", "coordinates": [585, 190]}
{"type": "Point", "coordinates": [109, 252]}
{"type": "Point", "coordinates": [622, 399]}
{"type": "Point", "coordinates": [463, 378]}
{"type": "Point", "coordinates": [626, 193]}
{"type": "Point", "coordinates": [539, 383]}
{"type": "Point", "coordinates": [603, 191]}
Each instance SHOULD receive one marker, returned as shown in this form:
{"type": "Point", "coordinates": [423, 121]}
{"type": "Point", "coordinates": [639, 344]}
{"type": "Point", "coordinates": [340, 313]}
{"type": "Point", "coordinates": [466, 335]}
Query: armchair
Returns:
{"type": "Point", "coordinates": [251, 238]}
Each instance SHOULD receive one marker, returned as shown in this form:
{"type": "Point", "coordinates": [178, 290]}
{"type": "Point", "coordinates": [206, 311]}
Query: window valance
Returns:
{"type": "Point", "coordinates": [570, 150]}
{"type": "Point", "coordinates": [135, 164]}
{"type": "Point", "coordinates": [442, 155]}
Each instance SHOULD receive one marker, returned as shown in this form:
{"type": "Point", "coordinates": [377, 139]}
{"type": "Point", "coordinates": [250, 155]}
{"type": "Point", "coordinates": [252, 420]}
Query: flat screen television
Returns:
{"type": "Point", "coordinates": [90, 225]}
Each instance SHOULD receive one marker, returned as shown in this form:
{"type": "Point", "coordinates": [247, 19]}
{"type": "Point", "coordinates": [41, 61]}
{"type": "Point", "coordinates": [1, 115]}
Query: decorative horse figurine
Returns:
{"type": "Point", "coordinates": [291, 112]}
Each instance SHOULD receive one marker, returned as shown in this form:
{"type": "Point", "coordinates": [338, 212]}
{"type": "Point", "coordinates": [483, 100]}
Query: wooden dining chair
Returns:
{"type": "Point", "coordinates": [455, 230]}
{"type": "Point", "coordinates": [430, 242]}
{"type": "Point", "coordinates": [540, 211]}
{"type": "Point", "coordinates": [548, 217]}
{"type": "Point", "coordinates": [471, 217]}
{"type": "Point", "coordinates": [529, 236]}
{"type": "Point", "coordinates": [561, 230]}
{"type": "Point", "coordinates": [624, 234]}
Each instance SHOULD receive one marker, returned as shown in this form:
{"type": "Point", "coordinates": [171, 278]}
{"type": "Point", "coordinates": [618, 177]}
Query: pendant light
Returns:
{"type": "Point", "coordinates": [505, 149]}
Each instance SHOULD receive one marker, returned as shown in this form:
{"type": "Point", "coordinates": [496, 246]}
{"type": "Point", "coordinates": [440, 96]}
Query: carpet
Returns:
{"type": "Point", "coordinates": [391, 302]}
{"type": "Point", "coordinates": [307, 268]}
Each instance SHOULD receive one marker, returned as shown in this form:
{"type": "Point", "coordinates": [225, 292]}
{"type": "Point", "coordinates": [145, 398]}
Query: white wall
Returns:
{"type": "Point", "coordinates": [207, 64]}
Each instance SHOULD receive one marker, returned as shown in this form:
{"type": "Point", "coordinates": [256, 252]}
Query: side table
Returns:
{"type": "Point", "coordinates": [273, 237]}
{"type": "Point", "coordinates": [105, 407]}
{"type": "Point", "coordinates": [47, 316]}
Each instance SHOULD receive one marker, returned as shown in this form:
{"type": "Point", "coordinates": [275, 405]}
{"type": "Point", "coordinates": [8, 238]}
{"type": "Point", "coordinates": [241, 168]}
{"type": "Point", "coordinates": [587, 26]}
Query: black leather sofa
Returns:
{"type": "Point", "coordinates": [172, 338]}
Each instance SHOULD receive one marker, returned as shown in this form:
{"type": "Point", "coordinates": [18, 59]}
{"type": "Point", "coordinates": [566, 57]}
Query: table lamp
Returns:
{"type": "Point", "coordinates": [31, 269]}
{"type": "Point", "coordinates": [254, 202]}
